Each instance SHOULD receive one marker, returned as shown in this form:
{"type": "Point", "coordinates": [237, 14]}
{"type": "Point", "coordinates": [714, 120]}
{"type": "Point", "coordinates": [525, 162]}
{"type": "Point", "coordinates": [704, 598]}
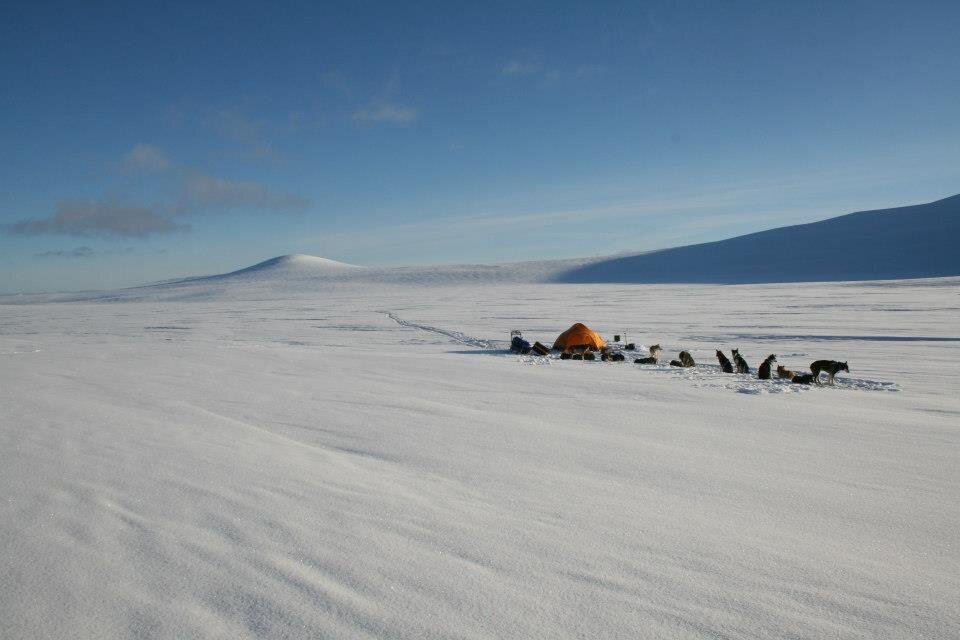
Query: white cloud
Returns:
{"type": "Point", "coordinates": [520, 68]}
{"type": "Point", "coordinates": [79, 252]}
{"type": "Point", "coordinates": [82, 252]}
{"type": "Point", "coordinates": [627, 222]}
{"type": "Point", "coordinates": [540, 71]}
{"type": "Point", "coordinates": [193, 193]}
{"type": "Point", "coordinates": [387, 113]}
{"type": "Point", "coordinates": [98, 218]}
{"type": "Point", "coordinates": [146, 157]}
{"type": "Point", "coordinates": [247, 137]}
{"type": "Point", "coordinates": [202, 193]}
{"type": "Point", "coordinates": [587, 70]}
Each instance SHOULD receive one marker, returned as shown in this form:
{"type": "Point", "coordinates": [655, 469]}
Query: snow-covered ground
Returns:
{"type": "Point", "coordinates": [289, 453]}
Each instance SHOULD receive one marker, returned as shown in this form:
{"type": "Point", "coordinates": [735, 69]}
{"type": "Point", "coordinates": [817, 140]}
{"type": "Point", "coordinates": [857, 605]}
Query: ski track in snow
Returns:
{"type": "Point", "coordinates": [456, 336]}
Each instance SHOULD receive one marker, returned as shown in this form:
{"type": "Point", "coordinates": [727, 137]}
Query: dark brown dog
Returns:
{"type": "Point", "coordinates": [686, 360]}
{"type": "Point", "coordinates": [831, 367]}
{"type": "Point", "coordinates": [725, 365]}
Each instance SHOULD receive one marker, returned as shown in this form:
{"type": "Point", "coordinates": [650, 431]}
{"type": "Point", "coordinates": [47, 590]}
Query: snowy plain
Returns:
{"type": "Point", "coordinates": [308, 450]}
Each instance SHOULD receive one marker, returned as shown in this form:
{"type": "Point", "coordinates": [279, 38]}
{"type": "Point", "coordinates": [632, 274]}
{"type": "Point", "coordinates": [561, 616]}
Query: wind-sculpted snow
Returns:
{"type": "Point", "coordinates": [232, 458]}
{"type": "Point", "coordinates": [920, 241]}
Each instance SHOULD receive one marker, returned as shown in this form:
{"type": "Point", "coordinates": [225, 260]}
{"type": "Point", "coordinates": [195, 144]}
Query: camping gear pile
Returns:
{"type": "Point", "coordinates": [519, 345]}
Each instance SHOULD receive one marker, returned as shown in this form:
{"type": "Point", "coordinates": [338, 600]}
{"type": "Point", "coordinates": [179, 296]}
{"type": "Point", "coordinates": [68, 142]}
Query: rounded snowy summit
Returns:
{"type": "Point", "coordinates": [304, 260]}
{"type": "Point", "coordinates": [293, 265]}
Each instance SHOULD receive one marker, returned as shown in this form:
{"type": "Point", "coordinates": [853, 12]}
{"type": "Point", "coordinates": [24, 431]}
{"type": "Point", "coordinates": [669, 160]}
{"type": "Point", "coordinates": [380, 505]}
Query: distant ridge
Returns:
{"type": "Point", "coordinates": [919, 241]}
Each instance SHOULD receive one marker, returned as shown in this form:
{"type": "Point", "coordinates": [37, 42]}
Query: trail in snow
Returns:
{"type": "Point", "coordinates": [456, 336]}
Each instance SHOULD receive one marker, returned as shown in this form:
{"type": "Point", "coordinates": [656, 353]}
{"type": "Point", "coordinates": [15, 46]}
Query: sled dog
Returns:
{"type": "Point", "coordinates": [764, 372]}
{"type": "Point", "coordinates": [783, 372]}
{"type": "Point", "coordinates": [742, 366]}
{"type": "Point", "coordinates": [830, 367]}
{"type": "Point", "coordinates": [686, 360]}
{"type": "Point", "coordinates": [725, 364]}
{"type": "Point", "coordinates": [654, 356]}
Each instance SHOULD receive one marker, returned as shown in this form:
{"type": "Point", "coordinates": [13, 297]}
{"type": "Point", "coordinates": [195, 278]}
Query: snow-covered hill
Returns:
{"type": "Point", "coordinates": [288, 275]}
{"type": "Point", "coordinates": [296, 265]}
{"type": "Point", "coordinates": [921, 241]}
{"type": "Point", "coordinates": [299, 268]}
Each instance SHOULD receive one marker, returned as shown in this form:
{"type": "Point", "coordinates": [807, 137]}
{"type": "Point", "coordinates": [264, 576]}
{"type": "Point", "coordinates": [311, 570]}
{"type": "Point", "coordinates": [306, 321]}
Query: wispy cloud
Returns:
{"type": "Point", "coordinates": [338, 83]}
{"type": "Point", "coordinates": [195, 193]}
{"type": "Point", "coordinates": [587, 70]}
{"type": "Point", "coordinates": [580, 72]}
{"type": "Point", "coordinates": [521, 68]}
{"type": "Point", "coordinates": [386, 113]}
{"type": "Point", "coordinates": [536, 69]}
{"type": "Point", "coordinates": [248, 134]}
{"type": "Point", "coordinates": [98, 218]}
{"type": "Point", "coordinates": [244, 137]}
{"type": "Point", "coordinates": [629, 223]}
{"type": "Point", "coordinates": [235, 126]}
{"type": "Point", "coordinates": [79, 252]}
{"type": "Point", "coordinates": [202, 193]}
{"type": "Point", "coordinates": [146, 157]}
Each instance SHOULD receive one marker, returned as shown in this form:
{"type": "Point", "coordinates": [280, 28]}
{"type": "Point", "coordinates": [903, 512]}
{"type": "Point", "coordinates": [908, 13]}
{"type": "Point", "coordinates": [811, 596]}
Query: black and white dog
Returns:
{"type": "Point", "coordinates": [742, 366]}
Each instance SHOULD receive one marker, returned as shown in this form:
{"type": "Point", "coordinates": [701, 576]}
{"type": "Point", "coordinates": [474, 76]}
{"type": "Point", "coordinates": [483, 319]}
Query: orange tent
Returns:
{"type": "Point", "coordinates": [579, 335]}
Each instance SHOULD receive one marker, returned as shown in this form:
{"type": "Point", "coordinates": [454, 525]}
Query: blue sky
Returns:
{"type": "Point", "coordinates": [147, 141]}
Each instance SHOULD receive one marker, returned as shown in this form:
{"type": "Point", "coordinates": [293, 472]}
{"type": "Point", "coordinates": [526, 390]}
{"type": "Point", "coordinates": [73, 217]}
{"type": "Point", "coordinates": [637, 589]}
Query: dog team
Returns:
{"type": "Point", "coordinates": [739, 364]}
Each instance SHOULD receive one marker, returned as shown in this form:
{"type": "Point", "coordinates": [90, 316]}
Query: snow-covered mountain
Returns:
{"type": "Point", "coordinates": [919, 241]}
{"type": "Point", "coordinates": [295, 266]}
{"type": "Point", "coordinates": [299, 267]}
{"type": "Point", "coordinates": [298, 273]}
